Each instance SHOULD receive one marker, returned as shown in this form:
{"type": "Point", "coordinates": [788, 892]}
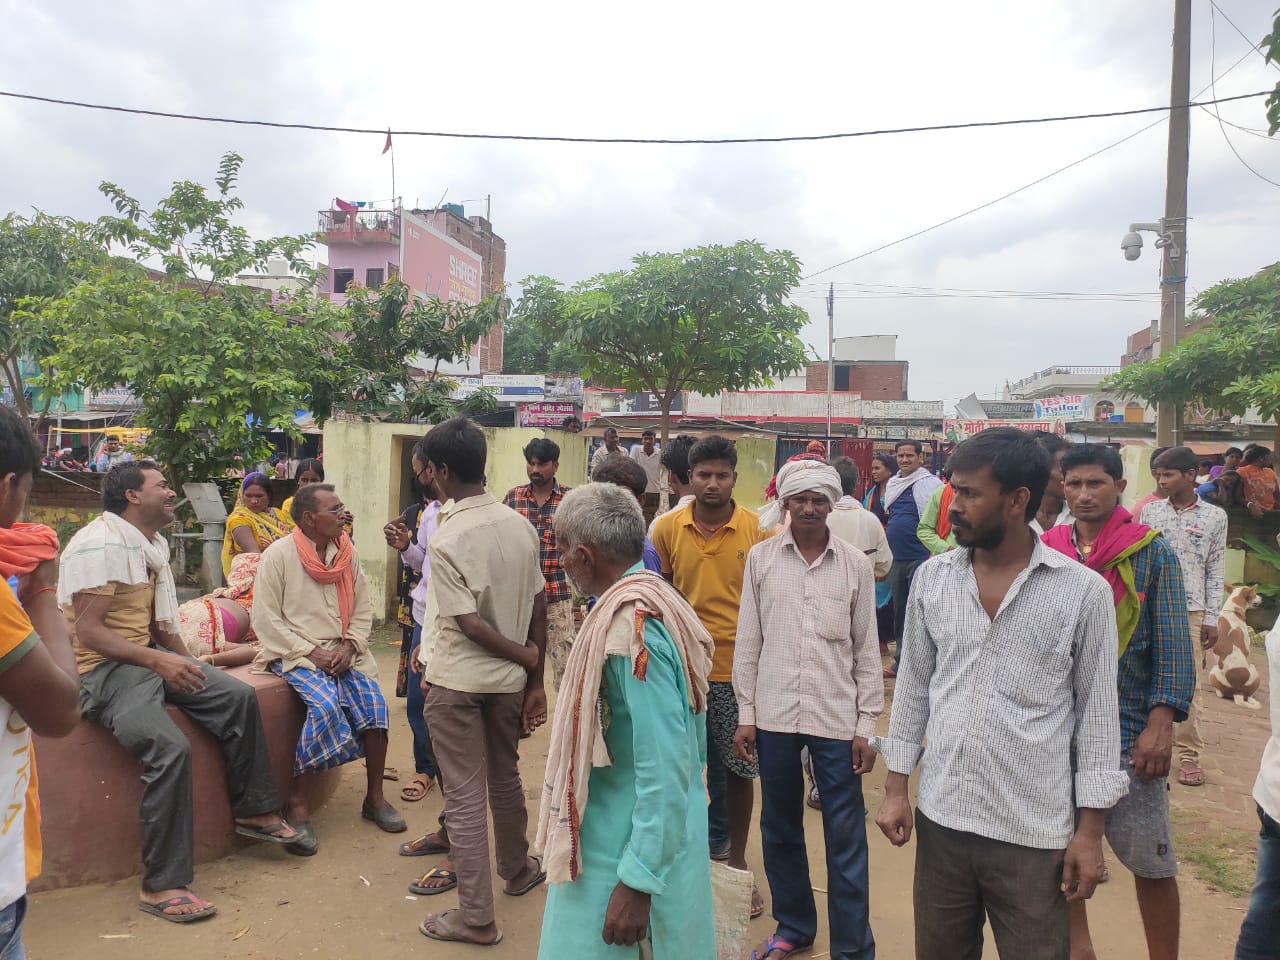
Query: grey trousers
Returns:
{"type": "Point", "coordinates": [962, 878]}
{"type": "Point", "coordinates": [476, 741]}
{"type": "Point", "coordinates": [129, 701]}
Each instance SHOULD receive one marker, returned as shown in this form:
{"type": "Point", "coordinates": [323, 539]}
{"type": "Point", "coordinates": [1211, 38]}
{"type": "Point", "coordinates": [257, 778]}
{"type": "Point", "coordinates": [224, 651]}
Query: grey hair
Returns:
{"type": "Point", "coordinates": [602, 516]}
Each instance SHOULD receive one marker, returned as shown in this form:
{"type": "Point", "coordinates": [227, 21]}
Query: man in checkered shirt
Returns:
{"type": "Point", "coordinates": [536, 501]}
{"type": "Point", "coordinates": [1010, 659]}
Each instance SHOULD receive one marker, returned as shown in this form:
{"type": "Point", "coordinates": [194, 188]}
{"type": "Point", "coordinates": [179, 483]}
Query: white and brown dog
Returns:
{"type": "Point", "coordinates": [1233, 676]}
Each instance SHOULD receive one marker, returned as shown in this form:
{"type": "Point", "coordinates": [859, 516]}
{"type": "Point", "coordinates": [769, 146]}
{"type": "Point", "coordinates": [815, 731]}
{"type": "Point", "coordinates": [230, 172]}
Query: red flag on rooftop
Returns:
{"type": "Point", "coordinates": [388, 146]}
{"type": "Point", "coordinates": [344, 205]}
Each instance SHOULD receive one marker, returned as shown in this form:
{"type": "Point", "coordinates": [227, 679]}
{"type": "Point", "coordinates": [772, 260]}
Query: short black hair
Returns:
{"type": "Point", "coordinates": [622, 472]}
{"type": "Point", "coordinates": [713, 447]}
{"type": "Point", "coordinates": [122, 478]}
{"type": "Point", "coordinates": [1093, 455]}
{"type": "Point", "coordinates": [848, 471]}
{"type": "Point", "coordinates": [19, 451]}
{"type": "Point", "coordinates": [542, 450]}
{"type": "Point", "coordinates": [1052, 443]}
{"type": "Point", "coordinates": [1256, 453]}
{"type": "Point", "coordinates": [305, 499]}
{"type": "Point", "coordinates": [1155, 455]}
{"type": "Point", "coordinates": [1181, 459]}
{"type": "Point", "coordinates": [459, 445]}
{"type": "Point", "coordinates": [675, 456]}
{"type": "Point", "coordinates": [648, 433]}
{"type": "Point", "coordinates": [569, 420]}
{"type": "Point", "coordinates": [609, 430]}
{"type": "Point", "coordinates": [1015, 458]}
{"type": "Point", "coordinates": [911, 442]}
{"type": "Point", "coordinates": [315, 466]}
{"type": "Point", "coordinates": [1230, 450]}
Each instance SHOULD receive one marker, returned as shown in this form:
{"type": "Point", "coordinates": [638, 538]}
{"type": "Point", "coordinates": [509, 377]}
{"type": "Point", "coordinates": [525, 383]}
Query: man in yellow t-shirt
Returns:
{"type": "Point", "coordinates": [703, 550]}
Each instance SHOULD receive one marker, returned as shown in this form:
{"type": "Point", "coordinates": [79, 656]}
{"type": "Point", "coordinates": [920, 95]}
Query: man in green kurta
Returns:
{"type": "Point", "coordinates": [623, 825]}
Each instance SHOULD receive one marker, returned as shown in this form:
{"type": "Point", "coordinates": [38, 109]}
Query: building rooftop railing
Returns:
{"type": "Point", "coordinates": [358, 224]}
{"type": "Point", "coordinates": [1103, 371]}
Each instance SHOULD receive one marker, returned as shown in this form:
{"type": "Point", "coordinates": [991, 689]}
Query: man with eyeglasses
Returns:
{"type": "Point", "coordinates": [311, 612]}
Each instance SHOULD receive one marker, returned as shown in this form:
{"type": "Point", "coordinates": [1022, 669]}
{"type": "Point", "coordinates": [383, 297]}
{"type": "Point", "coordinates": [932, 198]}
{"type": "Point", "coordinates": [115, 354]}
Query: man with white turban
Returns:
{"type": "Point", "coordinates": [806, 671]}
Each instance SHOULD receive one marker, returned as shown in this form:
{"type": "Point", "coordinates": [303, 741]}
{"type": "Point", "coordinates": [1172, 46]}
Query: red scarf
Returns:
{"type": "Point", "coordinates": [340, 574]}
{"type": "Point", "coordinates": [944, 510]}
{"type": "Point", "coordinates": [25, 546]}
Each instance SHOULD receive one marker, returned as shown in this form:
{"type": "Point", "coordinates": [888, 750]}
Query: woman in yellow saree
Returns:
{"type": "Point", "coordinates": [254, 524]}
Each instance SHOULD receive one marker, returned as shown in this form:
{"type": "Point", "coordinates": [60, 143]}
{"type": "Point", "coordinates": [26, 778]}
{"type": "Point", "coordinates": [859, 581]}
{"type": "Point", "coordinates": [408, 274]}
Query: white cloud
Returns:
{"type": "Point", "coordinates": [668, 69]}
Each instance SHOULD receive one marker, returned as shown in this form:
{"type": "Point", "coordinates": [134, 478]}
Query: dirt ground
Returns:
{"type": "Point", "coordinates": [351, 899]}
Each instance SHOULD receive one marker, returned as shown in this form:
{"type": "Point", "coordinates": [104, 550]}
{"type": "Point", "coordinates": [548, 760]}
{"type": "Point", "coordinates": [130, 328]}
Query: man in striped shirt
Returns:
{"type": "Point", "coordinates": [1010, 658]}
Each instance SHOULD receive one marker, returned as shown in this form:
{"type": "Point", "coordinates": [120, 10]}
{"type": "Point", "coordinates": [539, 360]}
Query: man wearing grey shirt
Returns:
{"type": "Point", "coordinates": [1010, 658]}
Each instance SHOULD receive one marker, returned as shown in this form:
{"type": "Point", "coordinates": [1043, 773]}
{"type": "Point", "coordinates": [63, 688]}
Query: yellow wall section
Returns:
{"type": "Point", "coordinates": [368, 465]}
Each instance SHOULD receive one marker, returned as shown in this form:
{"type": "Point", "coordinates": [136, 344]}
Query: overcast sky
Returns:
{"type": "Point", "coordinates": [709, 69]}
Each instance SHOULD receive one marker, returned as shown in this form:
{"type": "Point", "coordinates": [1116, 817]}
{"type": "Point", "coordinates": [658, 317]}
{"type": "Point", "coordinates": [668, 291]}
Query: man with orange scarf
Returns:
{"type": "Point", "coordinates": [39, 687]}
{"type": "Point", "coordinates": [1156, 675]}
{"type": "Point", "coordinates": [312, 615]}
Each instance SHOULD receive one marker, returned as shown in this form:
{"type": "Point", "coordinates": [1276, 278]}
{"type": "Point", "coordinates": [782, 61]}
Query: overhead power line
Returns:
{"type": "Point", "coordinates": [1026, 186]}
{"type": "Point", "coordinates": [1213, 49]}
{"type": "Point", "coordinates": [548, 138]}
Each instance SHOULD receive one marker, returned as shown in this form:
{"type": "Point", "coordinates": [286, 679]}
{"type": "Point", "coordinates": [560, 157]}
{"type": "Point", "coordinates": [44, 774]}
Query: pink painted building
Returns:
{"type": "Point", "coordinates": [438, 253]}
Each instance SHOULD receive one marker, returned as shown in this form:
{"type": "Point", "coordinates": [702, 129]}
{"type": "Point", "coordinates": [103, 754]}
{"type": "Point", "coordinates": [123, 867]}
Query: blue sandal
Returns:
{"type": "Point", "coordinates": [775, 942]}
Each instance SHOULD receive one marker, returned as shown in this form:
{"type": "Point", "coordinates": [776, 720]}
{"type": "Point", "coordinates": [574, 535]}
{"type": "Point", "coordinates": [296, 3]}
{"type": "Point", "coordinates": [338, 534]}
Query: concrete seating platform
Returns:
{"type": "Point", "coordinates": [90, 788]}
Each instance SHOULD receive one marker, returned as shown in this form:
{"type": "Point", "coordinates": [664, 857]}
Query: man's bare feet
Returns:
{"type": "Point", "coordinates": [450, 927]}
{"type": "Point", "coordinates": [177, 904]}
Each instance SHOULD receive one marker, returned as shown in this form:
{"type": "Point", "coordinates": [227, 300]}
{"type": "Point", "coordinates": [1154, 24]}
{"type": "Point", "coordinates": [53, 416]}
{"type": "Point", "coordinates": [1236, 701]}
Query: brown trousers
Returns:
{"type": "Point", "coordinates": [475, 737]}
{"type": "Point", "coordinates": [962, 878]}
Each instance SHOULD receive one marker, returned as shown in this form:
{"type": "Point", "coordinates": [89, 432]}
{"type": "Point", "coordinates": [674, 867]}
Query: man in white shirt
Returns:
{"type": "Point", "coordinates": [1197, 532]}
{"type": "Point", "coordinates": [856, 526]}
{"type": "Point", "coordinates": [1010, 658]}
{"type": "Point", "coordinates": [649, 456]}
{"type": "Point", "coordinates": [806, 672]}
{"type": "Point", "coordinates": [611, 448]}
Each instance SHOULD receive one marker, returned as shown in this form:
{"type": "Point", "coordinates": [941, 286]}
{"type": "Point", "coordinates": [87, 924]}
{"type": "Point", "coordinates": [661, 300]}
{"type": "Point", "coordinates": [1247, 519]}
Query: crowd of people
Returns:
{"type": "Point", "coordinates": [1047, 644]}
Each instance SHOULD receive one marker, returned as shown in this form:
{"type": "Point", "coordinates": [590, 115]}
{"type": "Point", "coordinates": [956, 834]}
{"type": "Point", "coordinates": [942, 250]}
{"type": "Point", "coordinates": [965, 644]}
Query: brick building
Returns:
{"type": "Point", "coordinates": [873, 379]}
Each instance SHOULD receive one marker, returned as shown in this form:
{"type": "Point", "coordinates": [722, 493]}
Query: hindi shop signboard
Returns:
{"type": "Point", "coordinates": [959, 430]}
{"type": "Point", "coordinates": [505, 387]}
{"type": "Point", "coordinates": [545, 414]}
{"type": "Point", "coordinates": [1063, 408]}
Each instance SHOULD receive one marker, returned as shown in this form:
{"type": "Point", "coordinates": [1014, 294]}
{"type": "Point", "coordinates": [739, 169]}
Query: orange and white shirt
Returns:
{"type": "Point", "coordinates": [19, 804]}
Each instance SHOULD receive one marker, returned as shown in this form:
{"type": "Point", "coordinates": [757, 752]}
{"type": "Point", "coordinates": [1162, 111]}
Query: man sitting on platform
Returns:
{"type": "Point", "coordinates": [312, 615]}
{"type": "Point", "coordinates": [117, 592]}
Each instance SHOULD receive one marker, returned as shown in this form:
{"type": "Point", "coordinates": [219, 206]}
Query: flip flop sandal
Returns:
{"type": "Point", "coordinates": [777, 943]}
{"type": "Point", "coordinates": [269, 833]}
{"type": "Point", "coordinates": [307, 843]}
{"type": "Point", "coordinates": [157, 909]}
{"type": "Point", "coordinates": [418, 787]}
{"type": "Point", "coordinates": [426, 931]}
{"type": "Point", "coordinates": [755, 895]}
{"type": "Point", "coordinates": [538, 879]}
{"type": "Point", "coordinates": [424, 846]}
{"type": "Point", "coordinates": [435, 873]}
{"type": "Point", "coordinates": [1191, 776]}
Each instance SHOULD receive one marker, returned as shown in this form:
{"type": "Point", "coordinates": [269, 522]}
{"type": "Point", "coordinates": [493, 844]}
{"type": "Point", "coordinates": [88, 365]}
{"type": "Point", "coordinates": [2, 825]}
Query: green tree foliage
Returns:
{"type": "Point", "coordinates": [211, 363]}
{"type": "Point", "coordinates": [40, 258]}
{"type": "Point", "coordinates": [709, 319]}
{"type": "Point", "coordinates": [526, 348]}
{"type": "Point", "coordinates": [397, 343]}
{"type": "Point", "coordinates": [1271, 46]}
{"type": "Point", "coordinates": [1231, 365]}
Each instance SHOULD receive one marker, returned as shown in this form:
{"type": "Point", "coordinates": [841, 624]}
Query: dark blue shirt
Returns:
{"type": "Point", "coordinates": [904, 518]}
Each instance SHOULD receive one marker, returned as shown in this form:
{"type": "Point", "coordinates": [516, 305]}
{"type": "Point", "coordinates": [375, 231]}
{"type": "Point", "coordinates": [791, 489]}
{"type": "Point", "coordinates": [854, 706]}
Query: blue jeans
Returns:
{"type": "Point", "coordinates": [11, 918]}
{"type": "Point", "coordinates": [786, 860]}
{"type": "Point", "coordinates": [424, 760]}
{"type": "Point", "coordinates": [717, 805]}
{"type": "Point", "coordinates": [1260, 933]}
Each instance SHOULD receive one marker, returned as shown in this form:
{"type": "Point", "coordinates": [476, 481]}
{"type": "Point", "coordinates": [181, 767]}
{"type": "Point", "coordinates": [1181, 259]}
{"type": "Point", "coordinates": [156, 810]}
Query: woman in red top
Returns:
{"type": "Point", "coordinates": [1258, 482]}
